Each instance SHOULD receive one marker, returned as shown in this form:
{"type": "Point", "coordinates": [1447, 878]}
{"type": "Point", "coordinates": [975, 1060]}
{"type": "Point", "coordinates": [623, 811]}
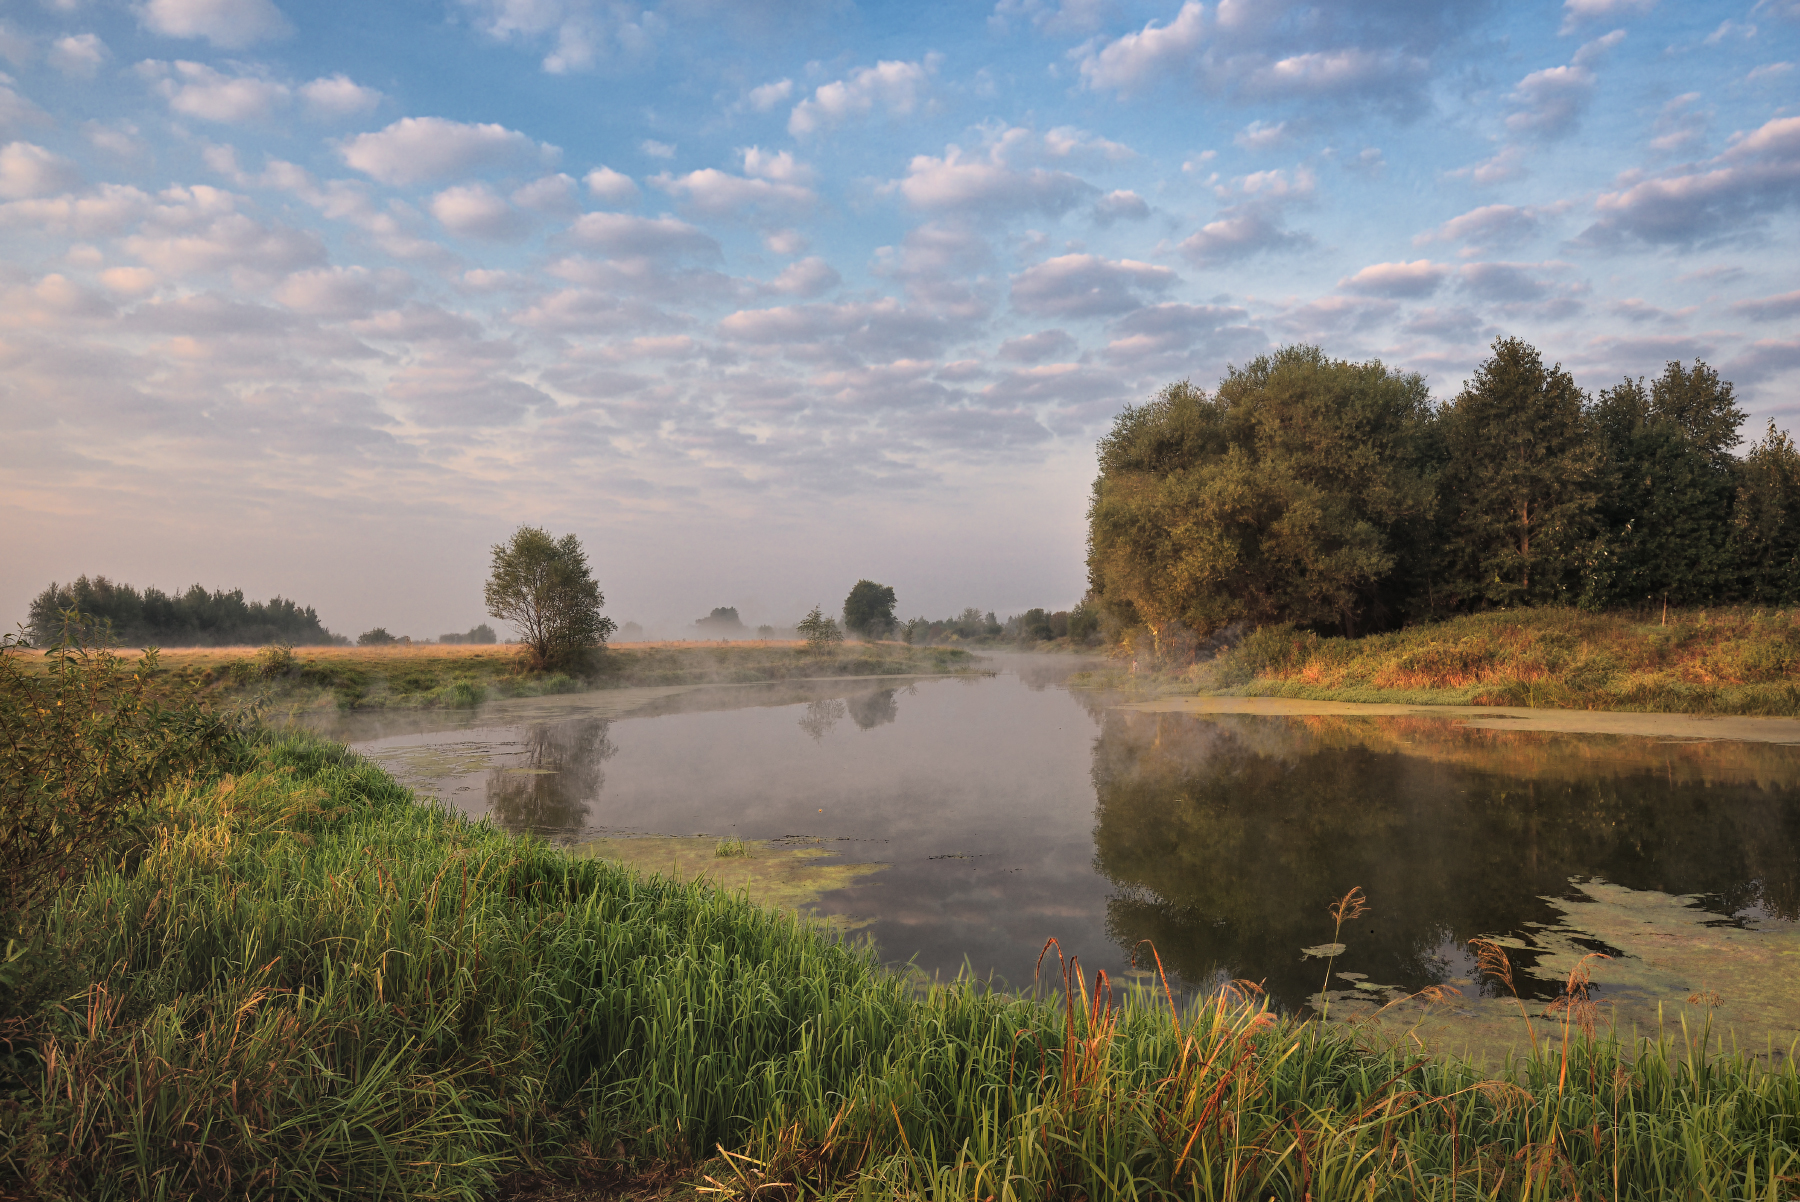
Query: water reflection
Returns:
{"type": "Point", "coordinates": [547, 786]}
{"type": "Point", "coordinates": [1228, 837]}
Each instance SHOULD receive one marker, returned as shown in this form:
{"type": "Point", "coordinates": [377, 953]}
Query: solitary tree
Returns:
{"type": "Point", "coordinates": [542, 586]}
{"type": "Point", "coordinates": [869, 610]}
{"type": "Point", "coordinates": [820, 630]}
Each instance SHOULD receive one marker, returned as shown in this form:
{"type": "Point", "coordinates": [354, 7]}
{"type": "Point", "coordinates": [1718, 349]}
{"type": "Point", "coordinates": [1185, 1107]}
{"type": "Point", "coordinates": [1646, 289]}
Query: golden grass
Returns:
{"type": "Point", "coordinates": [1736, 660]}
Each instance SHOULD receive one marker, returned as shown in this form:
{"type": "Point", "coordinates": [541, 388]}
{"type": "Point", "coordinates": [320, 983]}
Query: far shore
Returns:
{"type": "Point", "coordinates": [1498, 717]}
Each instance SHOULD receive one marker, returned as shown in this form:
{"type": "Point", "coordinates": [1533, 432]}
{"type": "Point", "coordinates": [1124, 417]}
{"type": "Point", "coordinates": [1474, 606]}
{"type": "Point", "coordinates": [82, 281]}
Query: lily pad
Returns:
{"type": "Point", "coordinates": [1325, 950]}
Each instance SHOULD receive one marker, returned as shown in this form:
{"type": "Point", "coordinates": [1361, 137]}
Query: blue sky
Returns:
{"type": "Point", "coordinates": [760, 298]}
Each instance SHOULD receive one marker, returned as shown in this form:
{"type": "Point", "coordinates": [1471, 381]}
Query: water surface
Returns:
{"type": "Point", "coordinates": [1010, 809]}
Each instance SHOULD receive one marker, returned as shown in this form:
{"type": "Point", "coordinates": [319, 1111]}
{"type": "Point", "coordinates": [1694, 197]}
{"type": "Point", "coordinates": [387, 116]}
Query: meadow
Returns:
{"type": "Point", "coordinates": [289, 680]}
{"type": "Point", "coordinates": [280, 976]}
{"type": "Point", "coordinates": [1736, 660]}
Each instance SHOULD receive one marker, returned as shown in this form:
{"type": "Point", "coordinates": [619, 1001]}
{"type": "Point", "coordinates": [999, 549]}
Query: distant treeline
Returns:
{"type": "Point", "coordinates": [1339, 496]}
{"type": "Point", "coordinates": [1032, 626]}
{"type": "Point", "coordinates": [195, 618]}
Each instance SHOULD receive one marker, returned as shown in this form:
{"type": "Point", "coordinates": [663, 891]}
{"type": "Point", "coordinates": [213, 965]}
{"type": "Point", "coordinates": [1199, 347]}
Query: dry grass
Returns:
{"type": "Point", "coordinates": [1721, 661]}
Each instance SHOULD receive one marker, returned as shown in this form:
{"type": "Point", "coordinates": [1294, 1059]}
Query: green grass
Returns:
{"type": "Point", "coordinates": [1717, 661]}
{"type": "Point", "coordinates": [299, 983]}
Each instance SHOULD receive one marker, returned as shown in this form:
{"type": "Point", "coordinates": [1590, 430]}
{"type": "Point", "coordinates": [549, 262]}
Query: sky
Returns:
{"type": "Point", "coordinates": [760, 297]}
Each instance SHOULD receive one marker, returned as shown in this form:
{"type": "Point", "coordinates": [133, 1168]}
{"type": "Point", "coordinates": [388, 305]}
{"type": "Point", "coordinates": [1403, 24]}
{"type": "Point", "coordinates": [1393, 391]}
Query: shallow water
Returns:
{"type": "Point", "coordinates": [1010, 809]}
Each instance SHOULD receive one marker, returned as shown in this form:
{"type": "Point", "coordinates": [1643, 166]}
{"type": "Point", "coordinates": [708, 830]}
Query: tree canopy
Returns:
{"type": "Point", "coordinates": [543, 587]}
{"type": "Point", "coordinates": [869, 610]}
{"type": "Point", "coordinates": [1291, 494]}
{"type": "Point", "coordinates": [1336, 495]}
{"type": "Point", "coordinates": [195, 618]}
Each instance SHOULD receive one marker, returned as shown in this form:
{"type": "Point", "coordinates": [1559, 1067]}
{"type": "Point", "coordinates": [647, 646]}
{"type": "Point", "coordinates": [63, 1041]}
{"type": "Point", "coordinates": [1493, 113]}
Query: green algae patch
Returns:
{"type": "Point", "coordinates": [785, 874]}
{"type": "Point", "coordinates": [1658, 965]}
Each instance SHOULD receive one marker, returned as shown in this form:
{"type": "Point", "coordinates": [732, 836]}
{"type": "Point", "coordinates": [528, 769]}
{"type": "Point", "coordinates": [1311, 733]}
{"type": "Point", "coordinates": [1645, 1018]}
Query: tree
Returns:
{"type": "Point", "coordinates": [869, 610]}
{"type": "Point", "coordinates": [378, 637]}
{"type": "Point", "coordinates": [819, 630]}
{"type": "Point", "coordinates": [543, 587]}
{"type": "Point", "coordinates": [1668, 489]}
{"type": "Point", "coordinates": [1292, 494]}
{"type": "Point", "coordinates": [1766, 521]}
{"type": "Point", "coordinates": [1520, 484]}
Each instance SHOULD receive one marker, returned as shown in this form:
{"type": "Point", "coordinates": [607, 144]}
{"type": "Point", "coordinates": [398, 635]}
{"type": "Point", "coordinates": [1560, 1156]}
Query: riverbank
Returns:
{"type": "Point", "coordinates": [289, 682]}
{"type": "Point", "coordinates": [1717, 662]}
{"type": "Point", "coordinates": [287, 979]}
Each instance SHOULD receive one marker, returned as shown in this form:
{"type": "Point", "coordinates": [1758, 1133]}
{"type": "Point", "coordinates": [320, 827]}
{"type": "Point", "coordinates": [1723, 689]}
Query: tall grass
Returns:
{"type": "Point", "coordinates": [305, 985]}
{"type": "Point", "coordinates": [1725, 661]}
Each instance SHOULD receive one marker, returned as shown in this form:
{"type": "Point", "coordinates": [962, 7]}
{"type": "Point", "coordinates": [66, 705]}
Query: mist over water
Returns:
{"type": "Point", "coordinates": [1011, 809]}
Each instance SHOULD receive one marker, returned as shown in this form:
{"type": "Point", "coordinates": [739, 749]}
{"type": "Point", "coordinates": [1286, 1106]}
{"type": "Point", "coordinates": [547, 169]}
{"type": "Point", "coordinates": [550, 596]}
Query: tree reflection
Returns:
{"type": "Point", "coordinates": [548, 790]}
{"type": "Point", "coordinates": [869, 710]}
{"type": "Point", "coordinates": [1229, 837]}
{"type": "Point", "coordinates": [821, 716]}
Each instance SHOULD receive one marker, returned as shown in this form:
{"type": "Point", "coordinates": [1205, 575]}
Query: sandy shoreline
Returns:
{"type": "Point", "coordinates": [1494, 717]}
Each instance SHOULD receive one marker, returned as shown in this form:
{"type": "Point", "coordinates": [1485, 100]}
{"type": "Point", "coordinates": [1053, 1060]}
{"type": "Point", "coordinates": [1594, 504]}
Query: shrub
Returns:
{"type": "Point", "coordinates": [84, 744]}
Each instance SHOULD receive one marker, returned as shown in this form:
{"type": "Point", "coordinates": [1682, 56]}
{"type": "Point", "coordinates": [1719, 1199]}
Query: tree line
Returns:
{"type": "Point", "coordinates": [195, 618]}
{"type": "Point", "coordinates": [1340, 496]}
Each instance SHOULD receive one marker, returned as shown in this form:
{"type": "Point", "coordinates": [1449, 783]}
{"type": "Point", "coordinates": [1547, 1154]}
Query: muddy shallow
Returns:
{"type": "Point", "coordinates": [960, 821]}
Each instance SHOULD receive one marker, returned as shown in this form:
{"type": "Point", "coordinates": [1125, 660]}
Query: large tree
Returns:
{"type": "Point", "coordinates": [1670, 481]}
{"type": "Point", "coordinates": [1293, 494]}
{"type": "Point", "coordinates": [543, 587]}
{"type": "Point", "coordinates": [1766, 521]}
{"type": "Point", "coordinates": [1520, 484]}
{"type": "Point", "coordinates": [869, 610]}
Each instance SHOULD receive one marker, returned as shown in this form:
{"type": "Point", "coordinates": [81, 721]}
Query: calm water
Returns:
{"type": "Point", "coordinates": [1010, 809]}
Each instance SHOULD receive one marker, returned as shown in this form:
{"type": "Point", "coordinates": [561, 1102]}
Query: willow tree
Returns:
{"type": "Point", "coordinates": [1292, 494]}
{"type": "Point", "coordinates": [1521, 482]}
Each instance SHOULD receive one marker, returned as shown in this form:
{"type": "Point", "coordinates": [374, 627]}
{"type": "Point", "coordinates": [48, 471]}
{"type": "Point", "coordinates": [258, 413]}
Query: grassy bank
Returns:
{"type": "Point", "coordinates": [289, 980]}
{"type": "Point", "coordinates": [1719, 661]}
{"type": "Point", "coordinates": [461, 677]}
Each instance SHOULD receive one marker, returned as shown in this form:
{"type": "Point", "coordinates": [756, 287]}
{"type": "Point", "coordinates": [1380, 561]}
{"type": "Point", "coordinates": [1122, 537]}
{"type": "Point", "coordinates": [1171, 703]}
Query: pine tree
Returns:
{"type": "Point", "coordinates": [1519, 488]}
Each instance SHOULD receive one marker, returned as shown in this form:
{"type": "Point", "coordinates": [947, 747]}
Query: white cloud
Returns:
{"type": "Point", "coordinates": [766, 97]}
{"type": "Point", "coordinates": [196, 90]}
{"type": "Point", "coordinates": [809, 277]}
{"type": "Point", "coordinates": [16, 111]}
{"type": "Point", "coordinates": [230, 242]}
{"type": "Point", "coordinates": [1490, 225]}
{"type": "Point", "coordinates": [786, 242]}
{"type": "Point", "coordinates": [1259, 135]}
{"type": "Point", "coordinates": [1506, 164]}
{"type": "Point", "coordinates": [338, 96]}
{"type": "Point", "coordinates": [1037, 348]}
{"type": "Point", "coordinates": [1086, 286]}
{"type": "Point", "coordinates": [657, 150]}
{"type": "Point", "coordinates": [341, 292]}
{"type": "Point", "coordinates": [413, 149]}
{"type": "Point", "coordinates": [229, 24]}
{"type": "Point", "coordinates": [1769, 308]}
{"type": "Point", "coordinates": [715, 193]}
{"type": "Point", "coordinates": [1137, 60]}
{"type": "Point", "coordinates": [959, 181]}
{"type": "Point", "coordinates": [584, 32]}
{"type": "Point", "coordinates": [1418, 278]}
{"type": "Point", "coordinates": [1550, 102]}
{"type": "Point", "coordinates": [611, 186]}
{"type": "Point", "coordinates": [625, 234]}
{"type": "Point", "coordinates": [129, 281]}
{"type": "Point", "coordinates": [893, 85]}
{"type": "Point", "coordinates": [79, 54]}
{"type": "Point", "coordinates": [28, 170]}
{"type": "Point", "coordinates": [1121, 205]}
{"type": "Point", "coordinates": [108, 210]}
{"type": "Point", "coordinates": [474, 211]}
{"type": "Point", "coordinates": [1757, 175]}
{"type": "Point", "coordinates": [553, 194]}
{"type": "Point", "coordinates": [782, 167]}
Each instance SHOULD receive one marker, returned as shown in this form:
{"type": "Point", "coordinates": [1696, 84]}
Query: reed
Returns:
{"type": "Point", "coordinates": [303, 984]}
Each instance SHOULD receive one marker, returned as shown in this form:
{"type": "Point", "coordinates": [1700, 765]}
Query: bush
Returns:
{"type": "Point", "coordinates": [83, 745]}
{"type": "Point", "coordinates": [378, 637]}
